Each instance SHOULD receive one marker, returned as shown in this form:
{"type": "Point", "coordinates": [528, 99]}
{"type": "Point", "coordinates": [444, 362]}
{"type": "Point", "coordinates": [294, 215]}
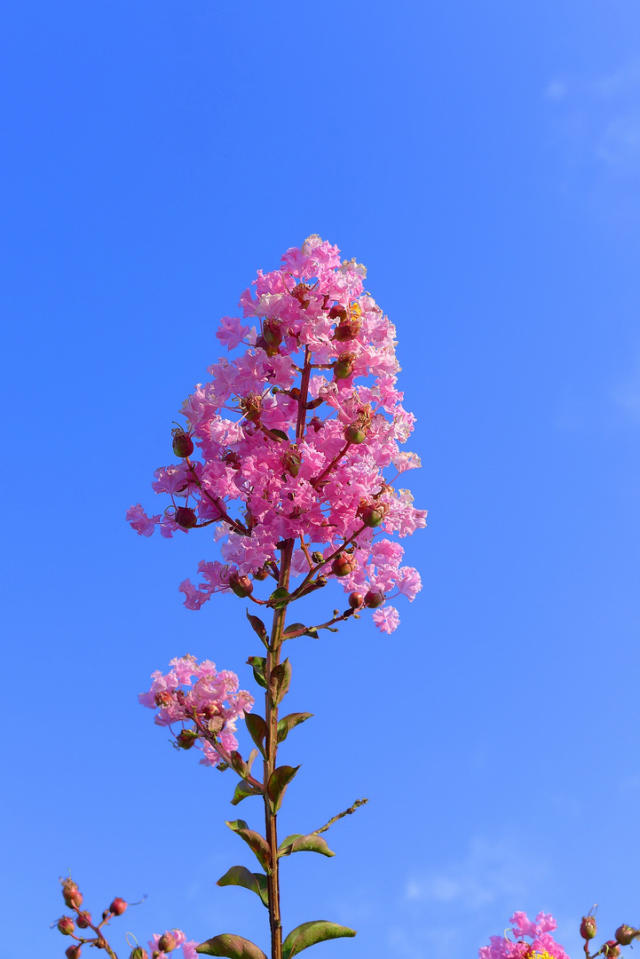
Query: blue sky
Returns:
{"type": "Point", "coordinates": [483, 160]}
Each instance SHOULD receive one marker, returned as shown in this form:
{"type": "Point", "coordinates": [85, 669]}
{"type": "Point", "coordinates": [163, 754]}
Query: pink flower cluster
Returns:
{"type": "Point", "coordinates": [297, 437]}
{"type": "Point", "coordinates": [180, 940]}
{"type": "Point", "coordinates": [205, 702]}
{"type": "Point", "coordinates": [541, 945]}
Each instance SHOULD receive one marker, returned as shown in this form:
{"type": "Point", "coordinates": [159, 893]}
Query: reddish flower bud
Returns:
{"type": "Point", "coordinates": [185, 740]}
{"type": "Point", "coordinates": [372, 516]}
{"type": "Point", "coordinates": [139, 953]}
{"type": "Point", "coordinates": [316, 557]}
{"type": "Point", "coordinates": [261, 574]}
{"type": "Point", "coordinates": [588, 927]}
{"type": "Point", "coordinates": [348, 329]}
{"type": "Point", "coordinates": [118, 905]}
{"type": "Point", "coordinates": [611, 949]}
{"type": "Point", "coordinates": [182, 443]}
{"type": "Point", "coordinates": [374, 598]}
{"type": "Point", "coordinates": [343, 565]}
{"type": "Point", "coordinates": [232, 459]}
{"type": "Point", "coordinates": [185, 517]}
{"type": "Point", "coordinates": [71, 894]}
{"type": "Point", "coordinates": [300, 292]}
{"type": "Point", "coordinates": [241, 585]}
{"type": "Point", "coordinates": [167, 942]}
{"type": "Point", "coordinates": [337, 312]}
{"type": "Point", "coordinates": [66, 925]}
{"type": "Point", "coordinates": [83, 920]}
{"type": "Point", "coordinates": [73, 952]}
{"type": "Point", "coordinates": [343, 366]}
{"type": "Point", "coordinates": [356, 600]}
{"type": "Point", "coordinates": [315, 423]}
{"type": "Point", "coordinates": [626, 934]}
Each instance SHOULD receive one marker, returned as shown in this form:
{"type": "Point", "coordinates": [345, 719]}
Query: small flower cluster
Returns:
{"type": "Point", "coordinates": [206, 703]}
{"type": "Point", "coordinates": [254, 466]}
{"type": "Point", "coordinates": [76, 928]}
{"type": "Point", "coordinates": [541, 946]}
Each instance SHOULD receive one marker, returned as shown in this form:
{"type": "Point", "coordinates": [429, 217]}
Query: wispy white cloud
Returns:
{"type": "Point", "coordinates": [598, 121]}
{"type": "Point", "coordinates": [626, 395]}
{"type": "Point", "coordinates": [490, 871]}
{"type": "Point", "coordinates": [556, 90]}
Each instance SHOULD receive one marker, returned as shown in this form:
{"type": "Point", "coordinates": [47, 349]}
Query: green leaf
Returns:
{"type": "Point", "coordinates": [280, 434]}
{"type": "Point", "coordinates": [299, 843]}
{"type": "Point", "coordinates": [287, 723]}
{"type": "Point", "coordinates": [258, 665]}
{"type": "Point", "coordinates": [257, 843]}
{"type": "Point", "coordinates": [233, 947]}
{"type": "Point", "coordinates": [280, 681]}
{"type": "Point", "coordinates": [259, 627]}
{"type": "Point", "coordinates": [296, 629]}
{"type": "Point", "coordinates": [279, 598]}
{"type": "Point", "coordinates": [257, 730]}
{"type": "Point", "coordinates": [278, 782]}
{"type": "Point", "coordinates": [254, 881]}
{"type": "Point", "coordinates": [309, 933]}
{"type": "Point", "coordinates": [244, 789]}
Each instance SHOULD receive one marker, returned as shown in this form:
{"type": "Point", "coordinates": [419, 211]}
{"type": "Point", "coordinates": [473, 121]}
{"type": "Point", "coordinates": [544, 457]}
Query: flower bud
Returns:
{"type": "Point", "coordinates": [337, 312]}
{"type": "Point", "coordinates": [343, 366]}
{"type": "Point", "coordinates": [374, 598]}
{"type": "Point", "coordinates": [66, 925]}
{"type": "Point", "coordinates": [355, 434]}
{"type": "Point", "coordinates": [167, 942]}
{"type": "Point", "coordinates": [182, 443]}
{"type": "Point", "coordinates": [316, 557]}
{"type": "Point", "coordinates": [251, 406]}
{"type": "Point", "coordinates": [241, 585]}
{"type": "Point", "coordinates": [71, 894]}
{"type": "Point", "coordinates": [261, 574]}
{"type": "Point", "coordinates": [291, 462]}
{"type": "Point", "coordinates": [73, 952]}
{"type": "Point", "coordinates": [139, 953]}
{"type": "Point", "coordinates": [271, 349]}
{"type": "Point", "coordinates": [185, 740]}
{"type": "Point", "coordinates": [83, 920]}
{"type": "Point", "coordinates": [315, 423]}
{"type": "Point", "coordinates": [272, 332]}
{"type": "Point", "coordinates": [185, 517]}
{"type": "Point", "coordinates": [118, 905]}
{"type": "Point", "coordinates": [372, 516]}
{"type": "Point", "coordinates": [348, 329]}
{"type": "Point", "coordinates": [626, 934]}
{"type": "Point", "coordinates": [588, 927]}
{"type": "Point", "coordinates": [611, 949]}
{"type": "Point", "coordinates": [343, 564]}
{"type": "Point", "coordinates": [356, 600]}
{"type": "Point", "coordinates": [231, 459]}
{"type": "Point", "coordinates": [300, 291]}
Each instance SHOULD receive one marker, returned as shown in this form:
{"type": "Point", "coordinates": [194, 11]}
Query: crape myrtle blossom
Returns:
{"type": "Point", "coordinates": [531, 940]}
{"type": "Point", "coordinates": [206, 703]}
{"type": "Point", "coordinates": [261, 467]}
{"type": "Point", "coordinates": [174, 938]}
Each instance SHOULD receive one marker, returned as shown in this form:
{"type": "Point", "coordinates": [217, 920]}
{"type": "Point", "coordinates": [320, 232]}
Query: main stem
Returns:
{"type": "Point", "coordinates": [271, 708]}
{"type": "Point", "coordinates": [271, 719]}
